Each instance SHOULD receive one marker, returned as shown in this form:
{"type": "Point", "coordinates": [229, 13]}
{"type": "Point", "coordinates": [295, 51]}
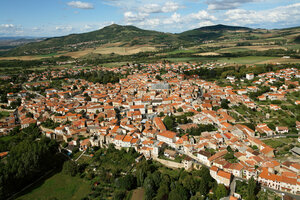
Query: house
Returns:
{"type": "Point", "coordinates": [278, 182]}
{"type": "Point", "coordinates": [263, 128]}
{"type": "Point", "coordinates": [203, 157]}
{"type": "Point", "coordinates": [170, 154]}
{"type": "Point", "coordinates": [168, 137]}
{"type": "Point", "coordinates": [282, 129]}
{"type": "Point", "coordinates": [84, 144]}
{"type": "Point", "coordinates": [187, 163]}
{"type": "Point", "coordinates": [250, 76]}
{"type": "Point", "coordinates": [220, 176]}
{"type": "Point", "coordinates": [159, 124]}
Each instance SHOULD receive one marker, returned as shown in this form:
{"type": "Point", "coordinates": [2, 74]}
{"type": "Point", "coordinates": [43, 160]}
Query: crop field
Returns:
{"type": "Point", "coordinates": [111, 49]}
{"type": "Point", "coordinates": [182, 51]}
{"type": "Point", "coordinates": [247, 60]}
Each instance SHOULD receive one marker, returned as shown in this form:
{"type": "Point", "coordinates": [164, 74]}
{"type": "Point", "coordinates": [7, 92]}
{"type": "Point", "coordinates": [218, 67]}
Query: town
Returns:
{"type": "Point", "coordinates": [169, 114]}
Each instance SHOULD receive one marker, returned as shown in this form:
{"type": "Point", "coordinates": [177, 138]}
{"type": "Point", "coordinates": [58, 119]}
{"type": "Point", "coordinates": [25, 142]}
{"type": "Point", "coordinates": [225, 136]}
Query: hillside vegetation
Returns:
{"type": "Point", "coordinates": [129, 40]}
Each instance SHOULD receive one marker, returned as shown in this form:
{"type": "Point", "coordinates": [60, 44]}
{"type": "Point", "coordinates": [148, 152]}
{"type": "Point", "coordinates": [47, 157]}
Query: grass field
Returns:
{"type": "Point", "coordinates": [280, 142]}
{"type": "Point", "coordinates": [59, 186]}
{"type": "Point", "coordinates": [191, 59]}
{"type": "Point", "coordinates": [238, 60]}
{"type": "Point", "coordinates": [247, 59]}
{"type": "Point", "coordinates": [232, 50]}
{"type": "Point", "coordinates": [182, 51]}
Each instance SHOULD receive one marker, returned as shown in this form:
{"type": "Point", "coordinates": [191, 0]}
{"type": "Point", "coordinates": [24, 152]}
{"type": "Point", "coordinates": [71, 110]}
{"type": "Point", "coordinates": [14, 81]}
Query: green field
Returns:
{"type": "Point", "coordinates": [280, 142]}
{"type": "Point", "coordinates": [232, 50]}
{"type": "Point", "coordinates": [191, 59]}
{"type": "Point", "coordinates": [247, 59]}
{"type": "Point", "coordinates": [238, 60]}
{"type": "Point", "coordinates": [182, 51]}
{"type": "Point", "coordinates": [48, 55]}
{"type": "Point", "coordinates": [59, 186]}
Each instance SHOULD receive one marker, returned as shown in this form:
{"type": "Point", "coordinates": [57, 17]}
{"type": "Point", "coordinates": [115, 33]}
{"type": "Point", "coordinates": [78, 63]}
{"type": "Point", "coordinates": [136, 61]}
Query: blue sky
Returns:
{"type": "Point", "coordinates": [62, 17]}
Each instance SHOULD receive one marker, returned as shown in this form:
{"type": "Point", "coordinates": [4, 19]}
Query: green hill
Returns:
{"type": "Point", "coordinates": [126, 35]}
{"type": "Point", "coordinates": [215, 32]}
{"type": "Point", "coordinates": [133, 39]}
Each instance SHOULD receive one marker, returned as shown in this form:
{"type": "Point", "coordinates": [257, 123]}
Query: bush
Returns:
{"type": "Point", "coordinates": [70, 168]}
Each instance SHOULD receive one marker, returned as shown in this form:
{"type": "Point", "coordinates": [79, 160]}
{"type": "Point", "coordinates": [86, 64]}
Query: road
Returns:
{"type": "Point", "coordinates": [79, 156]}
{"type": "Point", "coordinates": [32, 92]}
{"type": "Point", "coordinates": [278, 136]}
{"type": "Point", "coordinates": [232, 186]}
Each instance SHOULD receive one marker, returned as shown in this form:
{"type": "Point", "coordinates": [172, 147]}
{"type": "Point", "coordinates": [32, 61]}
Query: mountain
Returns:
{"type": "Point", "coordinates": [221, 27]}
{"type": "Point", "coordinates": [124, 35]}
{"type": "Point", "coordinates": [210, 32]}
{"type": "Point", "coordinates": [7, 43]}
{"type": "Point", "coordinates": [126, 40]}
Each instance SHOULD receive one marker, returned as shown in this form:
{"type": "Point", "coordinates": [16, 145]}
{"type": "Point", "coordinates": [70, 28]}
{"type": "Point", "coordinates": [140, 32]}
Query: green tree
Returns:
{"type": "Point", "coordinates": [224, 104]}
{"type": "Point", "coordinates": [169, 122]}
{"type": "Point", "coordinates": [221, 191]}
{"type": "Point", "coordinates": [162, 192]}
{"type": "Point", "coordinates": [179, 193]}
{"type": "Point", "coordinates": [70, 167]}
{"type": "Point", "coordinates": [252, 189]}
{"type": "Point", "coordinates": [127, 182]}
{"type": "Point", "coordinates": [119, 195]}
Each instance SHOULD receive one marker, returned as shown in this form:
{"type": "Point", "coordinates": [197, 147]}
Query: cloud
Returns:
{"type": "Point", "coordinates": [202, 15]}
{"type": "Point", "coordinates": [157, 8]}
{"type": "Point", "coordinates": [226, 4]}
{"type": "Point", "coordinates": [11, 29]}
{"type": "Point", "coordinates": [80, 4]}
{"type": "Point", "coordinates": [131, 17]}
{"type": "Point", "coordinates": [7, 26]}
{"type": "Point", "coordinates": [150, 23]}
{"type": "Point", "coordinates": [175, 18]}
{"type": "Point", "coordinates": [64, 28]}
{"type": "Point", "coordinates": [283, 15]}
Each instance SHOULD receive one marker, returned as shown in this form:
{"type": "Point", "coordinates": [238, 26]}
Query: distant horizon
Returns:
{"type": "Point", "coordinates": [37, 37]}
{"type": "Point", "coordinates": [52, 18]}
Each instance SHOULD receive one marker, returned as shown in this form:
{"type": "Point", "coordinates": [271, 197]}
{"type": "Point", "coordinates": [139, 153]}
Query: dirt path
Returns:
{"type": "Point", "coordinates": [138, 194]}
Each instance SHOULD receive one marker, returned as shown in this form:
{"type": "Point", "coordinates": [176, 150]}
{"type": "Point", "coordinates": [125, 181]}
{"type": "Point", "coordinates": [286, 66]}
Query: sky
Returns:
{"type": "Point", "coordinates": [47, 18]}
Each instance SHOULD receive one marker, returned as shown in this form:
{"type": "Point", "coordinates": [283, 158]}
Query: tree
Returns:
{"type": "Point", "coordinates": [162, 192]}
{"type": "Point", "coordinates": [158, 77]}
{"type": "Point", "coordinates": [127, 182]}
{"type": "Point", "coordinates": [119, 195]}
{"type": "Point", "coordinates": [252, 189]}
{"type": "Point", "coordinates": [179, 193]}
{"type": "Point", "coordinates": [224, 104]}
{"type": "Point", "coordinates": [198, 196]}
{"type": "Point", "coordinates": [169, 122]}
{"type": "Point", "coordinates": [70, 167]}
{"type": "Point", "coordinates": [180, 109]}
{"type": "Point", "coordinates": [191, 184]}
{"type": "Point", "coordinates": [221, 191]}
{"type": "Point", "coordinates": [149, 187]}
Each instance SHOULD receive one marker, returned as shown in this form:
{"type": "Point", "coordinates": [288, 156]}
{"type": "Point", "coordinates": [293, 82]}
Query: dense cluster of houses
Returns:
{"type": "Point", "coordinates": [131, 113]}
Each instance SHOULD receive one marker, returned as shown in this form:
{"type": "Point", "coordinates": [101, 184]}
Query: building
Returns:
{"type": "Point", "coordinates": [168, 137]}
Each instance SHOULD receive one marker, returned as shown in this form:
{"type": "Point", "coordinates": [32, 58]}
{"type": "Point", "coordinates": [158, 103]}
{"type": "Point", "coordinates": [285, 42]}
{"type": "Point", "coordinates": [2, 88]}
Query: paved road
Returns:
{"type": "Point", "coordinates": [278, 136]}
{"type": "Point", "coordinates": [32, 92]}
{"type": "Point", "coordinates": [79, 156]}
{"type": "Point", "coordinates": [232, 186]}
